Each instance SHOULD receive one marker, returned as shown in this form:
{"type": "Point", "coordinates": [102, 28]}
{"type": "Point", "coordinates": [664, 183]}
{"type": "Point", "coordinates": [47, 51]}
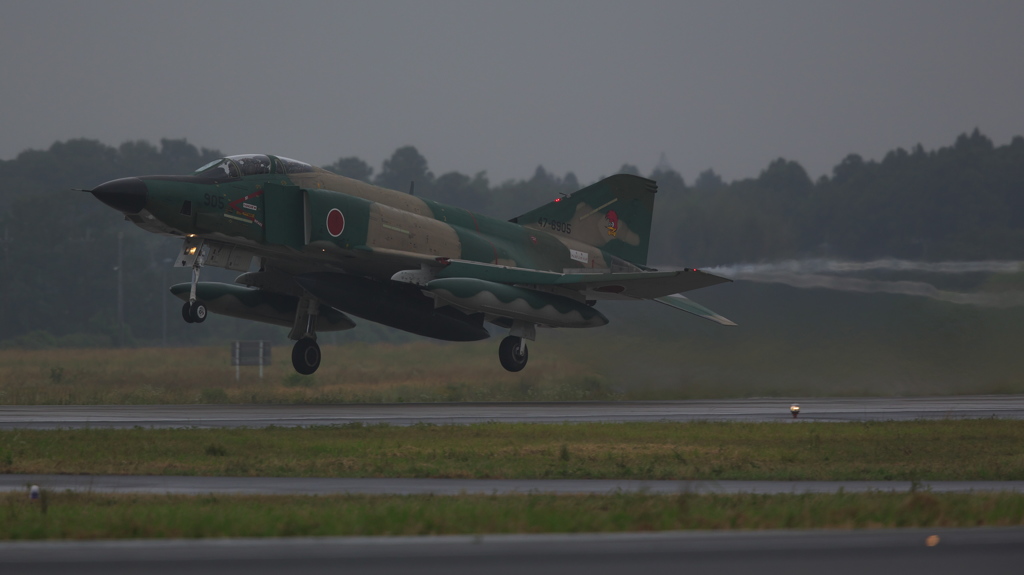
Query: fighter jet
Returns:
{"type": "Point", "coordinates": [316, 247]}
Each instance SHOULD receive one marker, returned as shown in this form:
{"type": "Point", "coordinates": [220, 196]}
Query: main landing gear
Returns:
{"type": "Point", "coordinates": [306, 353]}
{"type": "Point", "coordinates": [306, 356]}
{"type": "Point", "coordinates": [513, 353]}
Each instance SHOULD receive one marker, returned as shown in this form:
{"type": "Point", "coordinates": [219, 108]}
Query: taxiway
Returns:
{"type": "Point", "coordinates": [840, 552]}
{"type": "Point", "coordinates": [195, 485]}
{"type": "Point", "coordinates": [762, 409]}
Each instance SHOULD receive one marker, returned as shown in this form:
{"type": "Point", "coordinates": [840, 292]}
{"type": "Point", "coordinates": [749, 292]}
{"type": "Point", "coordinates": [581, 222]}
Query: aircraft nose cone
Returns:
{"type": "Point", "coordinates": [127, 194]}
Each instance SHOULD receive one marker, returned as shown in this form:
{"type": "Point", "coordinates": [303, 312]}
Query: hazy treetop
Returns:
{"type": "Point", "coordinates": [503, 86]}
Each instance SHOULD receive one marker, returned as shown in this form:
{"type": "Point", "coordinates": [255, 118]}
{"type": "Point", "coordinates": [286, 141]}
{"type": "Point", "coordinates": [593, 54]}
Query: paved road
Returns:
{"type": "Point", "coordinates": [192, 485]}
{"type": "Point", "coordinates": [765, 552]}
{"type": "Point", "coordinates": [812, 409]}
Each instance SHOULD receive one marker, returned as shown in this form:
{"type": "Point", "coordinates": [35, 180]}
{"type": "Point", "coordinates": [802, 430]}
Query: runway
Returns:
{"type": "Point", "coordinates": [762, 409]}
{"type": "Point", "coordinates": [767, 552]}
{"type": "Point", "coordinates": [193, 485]}
{"type": "Point", "coordinates": [933, 551]}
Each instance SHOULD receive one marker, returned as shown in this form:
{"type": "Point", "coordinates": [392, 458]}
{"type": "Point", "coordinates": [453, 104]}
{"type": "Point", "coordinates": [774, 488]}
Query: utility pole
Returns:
{"type": "Point", "coordinates": [163, 300]}
{"type": "Point", "coordinates": [120, 290]}
{"type": "Point", "coordinates": [7, 248]}
{"type": "Point", "coordinates": [7, 266]}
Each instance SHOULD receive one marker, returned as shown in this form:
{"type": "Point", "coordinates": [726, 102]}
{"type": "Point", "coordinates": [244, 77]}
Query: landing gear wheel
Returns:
{"type": "Point", "coordinates": [196, 312]}
{"type": "Point", "coordinates": [513, 353]}
{"type": "Point", "coordinates": [186, 313]}
{"type": "Point", "coordinates": [306, 356]}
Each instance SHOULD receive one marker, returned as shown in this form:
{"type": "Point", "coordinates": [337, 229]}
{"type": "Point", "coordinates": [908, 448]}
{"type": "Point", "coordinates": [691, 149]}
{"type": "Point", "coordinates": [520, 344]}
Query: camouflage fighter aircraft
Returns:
{"type": "Point", "coordinates": [326, 246]}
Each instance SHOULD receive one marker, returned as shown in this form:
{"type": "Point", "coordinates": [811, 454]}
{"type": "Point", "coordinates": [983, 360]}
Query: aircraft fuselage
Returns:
{"type": "Point", "coordinates": [325, 245]}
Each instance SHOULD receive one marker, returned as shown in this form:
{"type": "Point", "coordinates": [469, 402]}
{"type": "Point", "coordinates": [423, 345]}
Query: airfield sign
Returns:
{"type": "Point", "coordinates": [250, 353]}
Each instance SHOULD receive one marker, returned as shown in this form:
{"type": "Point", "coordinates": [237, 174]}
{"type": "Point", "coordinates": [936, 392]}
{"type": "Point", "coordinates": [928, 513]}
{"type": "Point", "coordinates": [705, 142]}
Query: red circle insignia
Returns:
{"type": "Point", "coordinates": [335, 222]}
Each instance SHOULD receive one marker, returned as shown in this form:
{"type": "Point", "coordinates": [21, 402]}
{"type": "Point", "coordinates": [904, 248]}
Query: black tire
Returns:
{"type": "Point", "coordinates": [197, 311]}
{"type": "Point", "coordinates": [306, 356]}
{"type": "Point", "coordinates": [186, 313]}
{"type": "Point", "coordinates": [513, 353]}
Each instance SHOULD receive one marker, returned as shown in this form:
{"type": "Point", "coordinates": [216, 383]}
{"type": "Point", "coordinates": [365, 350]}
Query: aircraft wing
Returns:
{"type": "Point", "coordinates": [640, 285]}
{"type": "Point", "coordinates": [662, 287]}
{"type": "Point", "coordinates": [603, 285]}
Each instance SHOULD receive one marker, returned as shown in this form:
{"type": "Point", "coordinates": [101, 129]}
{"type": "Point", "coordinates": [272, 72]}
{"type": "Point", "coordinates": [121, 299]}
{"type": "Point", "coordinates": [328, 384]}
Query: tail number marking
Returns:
{"type": "Point", "coordinates": [564, 227]}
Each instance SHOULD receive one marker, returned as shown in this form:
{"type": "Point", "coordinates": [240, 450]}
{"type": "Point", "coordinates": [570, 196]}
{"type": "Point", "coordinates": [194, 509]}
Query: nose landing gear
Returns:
{"type": "Point", "coordinates": [193, 312]}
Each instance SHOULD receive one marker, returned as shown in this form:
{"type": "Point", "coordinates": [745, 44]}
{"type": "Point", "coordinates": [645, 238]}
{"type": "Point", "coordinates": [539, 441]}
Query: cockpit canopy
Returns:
{"type": "Point", "coordinates": [251, 165]}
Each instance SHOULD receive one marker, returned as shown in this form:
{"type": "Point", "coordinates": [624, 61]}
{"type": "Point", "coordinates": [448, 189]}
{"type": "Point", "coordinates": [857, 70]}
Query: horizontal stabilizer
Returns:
{"type": "Point", "coordinates": [689, 306]}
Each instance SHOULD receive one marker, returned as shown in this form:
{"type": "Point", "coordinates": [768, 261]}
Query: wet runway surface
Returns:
{"type": "Point", "coordinates": [933, 551]}
{"type": "Point", "coordinates": [771, 409]}
{"type": "Point", "coordinates": [192, 485]}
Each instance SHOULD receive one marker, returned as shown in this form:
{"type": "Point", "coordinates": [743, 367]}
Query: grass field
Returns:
{"type": "Point", "coordinates": [358, 372]}
{"type": "Point", "coordinates": [98, 516]}
{"type": "Point", "coordinates": [563, 367]}
{"type": "Point", "coordinates": [917, 450]}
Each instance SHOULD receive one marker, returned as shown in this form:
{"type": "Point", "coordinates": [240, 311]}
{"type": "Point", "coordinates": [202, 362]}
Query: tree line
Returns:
{"type": "Point", "coordinates": [964, 201]}
{"type": "Point", "coordinates": [59, 247]}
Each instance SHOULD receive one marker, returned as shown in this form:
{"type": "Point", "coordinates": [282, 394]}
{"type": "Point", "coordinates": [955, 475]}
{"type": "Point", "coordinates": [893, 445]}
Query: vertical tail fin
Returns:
{"type": "Point", "coordinates": [613, 214]}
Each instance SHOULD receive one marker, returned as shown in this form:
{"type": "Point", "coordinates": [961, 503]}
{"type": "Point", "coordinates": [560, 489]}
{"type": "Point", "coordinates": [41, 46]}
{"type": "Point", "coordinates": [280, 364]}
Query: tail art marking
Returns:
{"type": "Point", "coordinates": [623, 232]}
{"type": "Point", "coordinates": [598, 209]}
{"type": "Point", "coordinates": [612, 219]}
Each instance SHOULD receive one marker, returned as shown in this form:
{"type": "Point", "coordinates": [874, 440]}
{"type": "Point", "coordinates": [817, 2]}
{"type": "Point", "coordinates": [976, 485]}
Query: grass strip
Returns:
{"type": "Point", "coordinates": [355, 373]}
{"type": "Point", "coordinates": [916, 450]}
{"type": "Point", "coordinates": [70, 515]}
{"type": "Point", "coordinates": [564, 366]}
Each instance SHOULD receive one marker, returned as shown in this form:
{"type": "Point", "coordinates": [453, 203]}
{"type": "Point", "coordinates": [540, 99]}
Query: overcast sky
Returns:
{"type": "Point", "coordinates": [578, 86]}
